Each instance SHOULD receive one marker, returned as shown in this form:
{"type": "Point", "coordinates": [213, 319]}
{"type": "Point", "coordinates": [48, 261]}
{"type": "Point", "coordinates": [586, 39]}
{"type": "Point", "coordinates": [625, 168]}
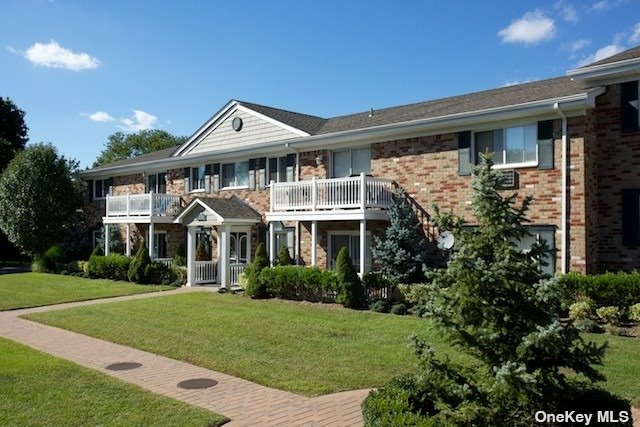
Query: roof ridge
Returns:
{"type": "Point", "coordinates": [246, 103]}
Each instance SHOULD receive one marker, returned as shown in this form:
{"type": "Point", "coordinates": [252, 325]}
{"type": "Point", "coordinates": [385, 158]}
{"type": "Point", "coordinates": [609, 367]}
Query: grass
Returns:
{"type": "Point", "coordinates": [39, 389]}
{"type": "Point", "coordinates": [24, 290]}
{"type": "Point", "coordinates": [302, 348]}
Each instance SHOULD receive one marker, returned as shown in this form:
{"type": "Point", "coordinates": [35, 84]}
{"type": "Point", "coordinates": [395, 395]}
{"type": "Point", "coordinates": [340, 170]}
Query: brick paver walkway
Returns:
{"type": "Point", "coordinates": [244, 402]}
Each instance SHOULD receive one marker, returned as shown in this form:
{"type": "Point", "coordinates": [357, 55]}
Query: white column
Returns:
{"type": "Point", "coordinates": [150, 241]}
{"type": "Point", "coordinates": [272, 244]}
{"type": "Point", "coordinates": [249, 246]}
{"type": "Point", "coordinates": [191, 256]}
{"type": "Point", "coordinates": [314, 241]}
{"type": "Point", "coordinates": [128, 242]}
{"type": "Point", "coordinates": [363, 243]}
{"type": "Point", "coordinates": [224, 259]}
{"type": "Point", "coordinates": [219, 245]}
{"type": "Point", "coordinates": [106, 239]}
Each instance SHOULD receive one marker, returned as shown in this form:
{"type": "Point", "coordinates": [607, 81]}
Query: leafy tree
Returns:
{"type": "Point", "coordinates": [494, 303]}
{"type": "Point", "coordinates": [402, 252]}
{"type": "Point", "coordinates": [283, 256]}
{"type": "Point", "coordinates": [125, 146]}
{"type": "Point", "coordinates": [13, 131]}
{"type": "Point", "coordinates": [39, 198]}
{"type": "Point", "coordinates": [350, 290]}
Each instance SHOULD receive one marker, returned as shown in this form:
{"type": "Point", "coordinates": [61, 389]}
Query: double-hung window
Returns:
{"type": "Point", "coordinates": [285, 237]}
{"type": "Point", "coordinates": [629, 106]}
{"type": "Point", "coordinates": [351, 162]}
{"type": "Point", "coordinates": [350, 240]}
{"type": "Point", "coordinates": [157, 183]}
{"type": "Point", "coordinates": [101, 188]}
{"type": "Point", "coordinates": [198, 176]}
{"type": "Point", "coordinates": [513, 146]}
{"type": "Point", "coordinates": [277, 169]}
{"type": "Point", "coordinates": [539, 234]}
{"type": "Point", "coordinates": [235, 174]}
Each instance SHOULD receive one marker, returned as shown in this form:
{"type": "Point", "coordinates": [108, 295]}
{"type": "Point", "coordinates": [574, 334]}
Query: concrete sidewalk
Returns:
{"type": "Point", "coordinates": [244, 402]}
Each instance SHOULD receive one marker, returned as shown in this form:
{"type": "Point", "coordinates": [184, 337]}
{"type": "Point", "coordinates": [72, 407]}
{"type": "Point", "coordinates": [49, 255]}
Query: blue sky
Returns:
{"type": "Point", "coordinates": [82, 70]}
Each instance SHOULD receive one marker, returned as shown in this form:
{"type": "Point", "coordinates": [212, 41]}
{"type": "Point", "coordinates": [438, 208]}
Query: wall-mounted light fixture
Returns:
{"type": "Point", "coordinates": [319, 160]}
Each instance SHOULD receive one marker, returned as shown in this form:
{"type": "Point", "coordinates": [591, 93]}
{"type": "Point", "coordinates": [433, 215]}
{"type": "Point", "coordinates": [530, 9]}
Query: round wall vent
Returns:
{"type": "Point", "coordinates": [236, 123]}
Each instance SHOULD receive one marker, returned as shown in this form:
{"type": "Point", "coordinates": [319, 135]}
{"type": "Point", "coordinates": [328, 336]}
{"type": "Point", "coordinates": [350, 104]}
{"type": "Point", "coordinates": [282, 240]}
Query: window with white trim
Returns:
{"type": "Point", "coordinates": [235, 174]}
{"type": "Point", "coordinates": [350, 240]}
{"type": "Point", "coordinates": [159, 244]}
{"type": "Point", "coordinates": [285, 237]}
{"type": "Point", "coordinates": [277, 169]}
{"type": "Point", "coordinates": [510, 146]}
{"type": "Point", "coordinates": [101, 188]}
{"type": "Point", "coordinates": [538, 234]}
{"type": "Point", "coordinates": [629, 106]}
{"type": "Point", "coordinates": [157, 182]}
{"type": "Point", "coordinates": [198, 176]}
{"type": "Point", "coordinates": [351, 162]}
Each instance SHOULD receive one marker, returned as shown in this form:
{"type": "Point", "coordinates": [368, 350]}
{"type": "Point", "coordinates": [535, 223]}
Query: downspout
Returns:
{"type": "Point", "coordinates": [563, 220]}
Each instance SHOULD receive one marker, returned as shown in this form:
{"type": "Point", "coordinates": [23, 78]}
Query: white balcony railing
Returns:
{"type": "Point", "coordinates": [206, 272]}
{"type": "Point", "coordinates": [148, 204]}
{"type": "Point", "coordinates": [359, 192]}
{"type": "Point", "coordinates": [235, 270]}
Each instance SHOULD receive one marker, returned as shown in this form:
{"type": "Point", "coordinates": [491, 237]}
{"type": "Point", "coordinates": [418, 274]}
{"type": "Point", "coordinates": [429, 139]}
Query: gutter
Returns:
{"type": "Point", "coordinates": [563, 221]}
{"type": "Point", "coordinates": [451, 122]}
{"type": "Point", "coordinates": [627, 66]}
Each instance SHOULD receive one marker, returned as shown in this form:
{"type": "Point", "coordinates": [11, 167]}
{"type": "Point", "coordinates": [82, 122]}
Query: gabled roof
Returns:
{"type": "Point", "coordinates": [305, 122]}
{"type": "Point", "coordinates": [622, 56]}
{"type": "Point", "coordinates": [154, 155]}
{"type": "Point", "coordinates": [231, 209]}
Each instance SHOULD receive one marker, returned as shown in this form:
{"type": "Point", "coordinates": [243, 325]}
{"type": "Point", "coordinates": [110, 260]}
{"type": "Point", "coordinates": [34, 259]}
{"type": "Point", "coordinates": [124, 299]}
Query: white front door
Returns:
{"type": "Point", "coordinates": [238, 247]}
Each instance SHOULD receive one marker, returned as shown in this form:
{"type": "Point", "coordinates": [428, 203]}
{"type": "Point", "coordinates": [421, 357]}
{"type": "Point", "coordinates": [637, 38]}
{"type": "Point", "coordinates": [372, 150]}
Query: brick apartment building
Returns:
{"type": "Point", "coordinates": [255, 173]}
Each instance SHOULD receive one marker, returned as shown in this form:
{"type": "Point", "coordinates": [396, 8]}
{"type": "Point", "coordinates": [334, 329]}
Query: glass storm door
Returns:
{"type": "Point", "coordinates": [238, 247]}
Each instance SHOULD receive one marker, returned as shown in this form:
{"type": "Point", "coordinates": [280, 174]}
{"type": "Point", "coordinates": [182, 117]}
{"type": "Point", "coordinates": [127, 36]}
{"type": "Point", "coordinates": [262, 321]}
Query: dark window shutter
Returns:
{"type": "Point", "coordinates": [545, 144]}
{"type": "Point", "coordinates": [207, 178]}
{"type": "Point", "coordinates": [216, 177]}
{"type": "Point", "coordinates": [252, 174]}
{"type": "Point", "coordinates": [464, 153]}
{"type": "Point", "coordinates": [629, 113]}
{"type": "Point", "coordinates": [187, 187]}
{"type": "Point", "coordinates": [110, 186]}
{"type": "Point", "coordinates": [631, 217]}
{"type": "Point", "coordinates": [90, 184]}
{"type": "Point", "coordinates": [548, 234]}
{"type": "Point", "coordinates": [262, 173]}
{"type": "Point", "coordinates": [291, 162]}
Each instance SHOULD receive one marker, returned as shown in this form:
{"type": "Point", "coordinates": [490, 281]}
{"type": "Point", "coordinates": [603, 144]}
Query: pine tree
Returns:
{"type": "Point", "coordinates": [402, 252]}
{"type": "Point", "coordinates": [350, 290]}
{"type": "Point", "coordinates": [139, 265]}
{"type": "Point", "coordinates": [283, 256]}
{"type": "Point", "coordinates": [494, 303]}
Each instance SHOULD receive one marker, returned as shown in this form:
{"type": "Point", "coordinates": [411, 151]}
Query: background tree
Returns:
{"type": "Point", "coordinates": [39, 198]}
{"type": "Point", "coordinates": [494, 303]}
{"type": "Point", "coordinates": [402, 252]}
{"type": "Point", "coordinates": [124, 146]}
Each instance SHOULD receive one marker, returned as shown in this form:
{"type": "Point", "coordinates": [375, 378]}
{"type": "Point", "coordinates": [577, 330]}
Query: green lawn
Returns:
{"type": "Point", "coordinates": [35, 289]}
{"type": "Point", "coordinates": [306, 349]}
{"type": "Point", "coordinates": [39, 389]}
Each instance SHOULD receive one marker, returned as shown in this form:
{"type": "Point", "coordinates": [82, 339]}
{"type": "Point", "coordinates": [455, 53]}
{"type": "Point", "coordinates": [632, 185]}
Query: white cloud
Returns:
{"type": "Point", "coordinates": [601, 6]}
{"type": "Point", "coordinates": [576, 45]}
{"type": "Point", "coordinates": [533, 27]}
{"type": "Point", "coordinates": [52, 55]}
{"type": "Point", "coordinates": [98, 116]}
{"type": "Point", "coordinates": [140, 121]}
{"type": "Point", "coordinates": [519, 82]}
{"type": "Point", "coordinates": [635, 37]}
{"type": "Point", "coordinates": [601, 53]}
{"type": "Point", "coordinates": [567, 11]}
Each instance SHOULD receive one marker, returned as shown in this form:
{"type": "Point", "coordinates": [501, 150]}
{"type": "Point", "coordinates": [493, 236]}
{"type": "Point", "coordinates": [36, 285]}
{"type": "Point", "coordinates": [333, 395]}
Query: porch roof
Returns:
{"type": "Point", "coordinates": [231, 210]}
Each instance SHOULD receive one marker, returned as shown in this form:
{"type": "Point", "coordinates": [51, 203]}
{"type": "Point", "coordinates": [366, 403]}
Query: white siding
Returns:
{"type": "Point", "coordinates": [254, 130]}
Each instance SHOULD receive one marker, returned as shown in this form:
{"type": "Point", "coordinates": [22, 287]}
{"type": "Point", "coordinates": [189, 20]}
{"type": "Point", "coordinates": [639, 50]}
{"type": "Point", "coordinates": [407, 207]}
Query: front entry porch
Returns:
{"type": "Point", "coordinates": [231, 220]}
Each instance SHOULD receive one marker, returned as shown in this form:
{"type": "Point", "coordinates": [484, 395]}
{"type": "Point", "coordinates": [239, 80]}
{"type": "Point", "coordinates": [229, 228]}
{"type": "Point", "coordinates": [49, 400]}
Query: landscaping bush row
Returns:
{"type": "Point", "coordinates": [610, 289]}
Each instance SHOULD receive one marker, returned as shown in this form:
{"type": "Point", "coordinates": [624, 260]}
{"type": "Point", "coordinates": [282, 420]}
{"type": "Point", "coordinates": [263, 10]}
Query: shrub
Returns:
{"type": "Point", "coordinates": [399, 309]}
{"type": "Point", "coordinates": [283, 256]}
{"type": "Point", "coordinates": [391, 406]}
{"type": "Point", "coordinates": [634, 312]}
{"type": "Point", "coordinates": [112, 266]}
{"type": "Point", "coordinates": [588, 325]}
{"type": "Point", "coordinates": [98, 251]}
{"type": "Point", "coordinates": [242, 280]}
{"type": "Point", "coordinates": [419, 310]}
{"type": "Point", "coordinates": [180, 259]}
{"type": "Point", "coordinates": [610, 315]}
{"type": "Point", "coordinates": [139, 264]}
{"type": "Point", "coordinates": [255, 288]}
{"type": "Point", "coordinates": [52, 258]}
{"type": "Point", "coordinates": [180, 275]}
{"type": "Point", "coordinates": [298, 283]}
{"type": "Point", "coordinates": [156, 273]}
{"type": "Point", "coordinates": [580, 310]}
{"type": "Point", "coordinates": [350, 290]}
{"type": "Point", "coordinates": [201, 253]}
{"type": "Point", "coordinates": [617, 330]}
{"type": "Point", "coordinates": [609, 289]}
{"type": "Point", "coordinates": [76, 266]}
{"type": "Point", "coordinates": [415, 294]}
{"type": "Point", "coordinates": [39, 266]}
{"type": "Point", "coordinates": [64, 272]}
{"type": "Point", "coordinates": [379, 306]}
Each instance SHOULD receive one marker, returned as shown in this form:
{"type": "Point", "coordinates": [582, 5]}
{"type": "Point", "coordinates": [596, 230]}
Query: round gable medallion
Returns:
{"type": "Point", "coordinates": [236, 123]}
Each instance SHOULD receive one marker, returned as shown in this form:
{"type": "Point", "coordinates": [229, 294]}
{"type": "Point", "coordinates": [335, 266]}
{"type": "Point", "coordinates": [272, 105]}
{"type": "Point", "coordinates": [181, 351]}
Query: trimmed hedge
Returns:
{"type": "Point", "coordinates": [609, 289]}
{"type": "Point", "coordinates": [112, 266]}
{"type": "Point", "coordinates": [298, 283]}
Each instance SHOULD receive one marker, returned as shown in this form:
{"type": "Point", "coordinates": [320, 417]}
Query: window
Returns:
{"type": "Point", "coordinates": [631, 217]}
{"type": "Point", "coordinates": [277, 169]}
{"type": "Point", "coordinates": [198, 176]}
{"type": "Point", "coordinates": [238, 247]}
{"type": "Point", "coordinates": [285, 237]}
{"type": "Point", "coordinates": [511, 146]}
{"type": "Point", "coordinates": [101, 188]}
{"type": "Point", "coordinates": [203, 239]}
{"type": "Point", "coordinates": [540, 234]}
{"type": "Point", "coordinates": [629, 108]}
{"type": "Point", "coordinates": [159, 244]}
{"type": "Point", "coordinates": [157, 183]}
{"type": "Point", "coordinates": [235, 174]}
{"type": "Point", "coordinates": [351, 162]}
{"type": "Point", "coordinates": [350, 240]}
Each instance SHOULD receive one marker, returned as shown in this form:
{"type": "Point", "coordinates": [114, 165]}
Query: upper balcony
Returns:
{"type": "Point", "coordinates": [358, 197]}
{"type": "Point", "coordinates": [148, 207]}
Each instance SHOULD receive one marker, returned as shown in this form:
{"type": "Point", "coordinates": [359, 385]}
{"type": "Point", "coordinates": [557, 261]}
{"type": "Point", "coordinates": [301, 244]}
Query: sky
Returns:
{"type": "Point", "coordinates": [82, 70]}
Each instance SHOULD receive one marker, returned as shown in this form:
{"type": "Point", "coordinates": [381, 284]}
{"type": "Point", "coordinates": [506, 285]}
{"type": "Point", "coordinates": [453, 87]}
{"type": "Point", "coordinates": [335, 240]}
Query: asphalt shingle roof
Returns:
{"type": "Point", "coordinates": [627, 54]}
{"type": "Point", "coordinates": [232, 207]}
{"type": "Point", "coordinates": [304, 122]}
{"type": "Point", "coordinates": [154, 155]}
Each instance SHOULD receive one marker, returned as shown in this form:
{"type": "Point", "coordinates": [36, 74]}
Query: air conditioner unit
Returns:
{"type": "Point", "coordinates": [509, 180]}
